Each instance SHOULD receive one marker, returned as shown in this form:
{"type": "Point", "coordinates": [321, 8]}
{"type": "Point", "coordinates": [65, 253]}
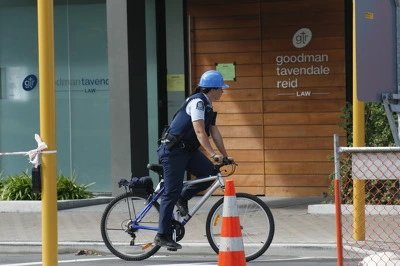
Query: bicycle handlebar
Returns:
{"type": "Point", "coordinates": [225, 161]}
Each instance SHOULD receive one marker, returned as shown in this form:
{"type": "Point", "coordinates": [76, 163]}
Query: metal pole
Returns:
{"type": "Point", "coordinates": [358, 141]}
{"type": "Point", "coordinates": [48, 131]}
{"type": "Point", "coordinates": [396, 6]}
{"type": "Point", "coordinates": [338, 208]}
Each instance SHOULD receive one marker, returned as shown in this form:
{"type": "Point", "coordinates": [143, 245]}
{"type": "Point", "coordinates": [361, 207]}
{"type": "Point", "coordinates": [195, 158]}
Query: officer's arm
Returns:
{"type": "Point", "coordinates": [218, 140]}
{"type": "Point", "coordinates": [201, 134]}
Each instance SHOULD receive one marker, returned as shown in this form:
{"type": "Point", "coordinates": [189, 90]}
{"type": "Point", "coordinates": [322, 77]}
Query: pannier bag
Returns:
{"type": "Point", "coordinates": [138, 184]}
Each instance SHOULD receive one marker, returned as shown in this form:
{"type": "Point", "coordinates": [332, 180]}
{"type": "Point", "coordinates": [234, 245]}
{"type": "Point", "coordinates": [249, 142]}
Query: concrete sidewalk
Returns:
{"type": "Point", "coordinates": [79, 226]}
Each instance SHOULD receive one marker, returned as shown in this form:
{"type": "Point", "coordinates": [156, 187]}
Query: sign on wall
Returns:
{"type": "Point", "coordinates": [227, 71]}
{"type": "Point", "coordinates": [289, 67]}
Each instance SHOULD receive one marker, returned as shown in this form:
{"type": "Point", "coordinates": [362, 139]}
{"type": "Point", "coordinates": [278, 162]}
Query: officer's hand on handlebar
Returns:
{"type": "Point", "coordinates": [227, 160]}
{"type": "Point", "coordinates": [218, 158]}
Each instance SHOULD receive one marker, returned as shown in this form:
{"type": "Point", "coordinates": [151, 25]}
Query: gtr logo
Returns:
{"type": "Point", "coordinates": [29, 82]}
{"type": "Point", "coordinates": [302, 37]}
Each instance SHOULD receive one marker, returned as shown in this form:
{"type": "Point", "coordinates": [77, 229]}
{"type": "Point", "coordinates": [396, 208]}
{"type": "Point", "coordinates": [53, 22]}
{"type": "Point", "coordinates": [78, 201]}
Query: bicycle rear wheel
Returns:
{"type": "Point", "coordinates": [256, 220]}
{"type": "Point", "coordinates": [118, 235]}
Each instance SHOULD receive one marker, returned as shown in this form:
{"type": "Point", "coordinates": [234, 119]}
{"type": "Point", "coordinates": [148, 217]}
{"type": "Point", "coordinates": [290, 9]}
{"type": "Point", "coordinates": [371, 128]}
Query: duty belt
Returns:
{"type": "Point", "coordinates": [172, 142]}
{"type": "Point", "coordinates": [168, 138]}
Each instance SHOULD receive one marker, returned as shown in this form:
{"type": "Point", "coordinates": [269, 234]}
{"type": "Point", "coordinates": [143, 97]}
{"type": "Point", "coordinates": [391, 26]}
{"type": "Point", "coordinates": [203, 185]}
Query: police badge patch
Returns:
{"type": "Point", "coordinates": [200, 106]}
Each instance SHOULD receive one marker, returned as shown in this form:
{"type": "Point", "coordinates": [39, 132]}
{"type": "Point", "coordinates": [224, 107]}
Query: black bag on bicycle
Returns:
{"type": "Point", "coordinates": [139, 184]}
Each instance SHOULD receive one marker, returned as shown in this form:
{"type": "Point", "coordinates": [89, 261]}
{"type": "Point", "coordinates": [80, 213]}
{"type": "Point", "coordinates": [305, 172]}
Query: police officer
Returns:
{"type": "Point", "coordinates": [190, 128]}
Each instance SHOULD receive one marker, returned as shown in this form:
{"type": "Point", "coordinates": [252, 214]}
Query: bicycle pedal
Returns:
{"type": "Point", "coordinates": [172, 249]}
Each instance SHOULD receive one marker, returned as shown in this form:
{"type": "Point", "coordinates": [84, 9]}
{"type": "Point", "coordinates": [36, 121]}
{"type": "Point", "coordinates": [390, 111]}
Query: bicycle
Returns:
{"type": "Point", "coordinates": [130, 221]}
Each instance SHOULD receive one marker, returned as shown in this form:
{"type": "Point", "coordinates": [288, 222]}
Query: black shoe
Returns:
{"type": "Point", "coordinates": [163, 240]}
{"type": "Point", "coordinates": [182, 205]}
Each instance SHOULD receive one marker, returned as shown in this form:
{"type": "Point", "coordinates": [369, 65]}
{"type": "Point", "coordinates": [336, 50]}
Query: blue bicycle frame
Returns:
{"type": "Point", "coordinates": [219, 184]}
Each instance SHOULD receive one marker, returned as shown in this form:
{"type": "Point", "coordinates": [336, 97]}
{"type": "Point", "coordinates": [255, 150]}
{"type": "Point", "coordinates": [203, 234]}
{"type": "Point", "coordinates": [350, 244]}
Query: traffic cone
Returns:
{"type": "Point", "coordinates": [231, 249]}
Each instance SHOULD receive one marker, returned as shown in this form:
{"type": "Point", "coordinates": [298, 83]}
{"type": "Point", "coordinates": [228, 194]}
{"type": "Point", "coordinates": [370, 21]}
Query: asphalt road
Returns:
{"type": "Point", "coordinates": [277, 258]}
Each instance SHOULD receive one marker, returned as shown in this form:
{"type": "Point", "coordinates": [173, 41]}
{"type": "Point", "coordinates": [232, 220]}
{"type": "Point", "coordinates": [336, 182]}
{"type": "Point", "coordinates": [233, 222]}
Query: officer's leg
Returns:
{"type": "Point", "coordinates": [174, 169]}
{"type": "Point", "coordinates": [200, 166]}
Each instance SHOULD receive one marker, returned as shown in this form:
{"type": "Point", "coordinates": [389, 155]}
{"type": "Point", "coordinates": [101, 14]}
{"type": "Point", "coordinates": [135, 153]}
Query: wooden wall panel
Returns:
{"type": "Point", "coordinates": [250, 168]}
{"type": "Point", "coordinates": [279, 116]}
{"type": "Point", "coordinates": [226, 35]}
{"type": "Point", "coordinates": [297, 180]}
{"type": "Point", "coordinates": [220, 9]}
{"type": "Point", "coordinates": [241, 131]}
{"type": "Point", "coordinates": [298, 105]}
{"type": "Point", "coordinates": [248, 180]}
{"type": "Point", "coordinates": [304, 168]}
{"type": "Point", "coordinates": [298, 155]}
{"type": "Point", "coordinates": [244, 143]}
{"type": "Point", "coordinates": [291, 7]}
{"type": "Point", "coordinates": [329, 118]}
{"type": "Point", "coordinates": [302, 143]}
{"type": "Point", "coordinates": [299, 131]}
{"type": "Point", "coordinates": [248, 70]}
{"type": "Point", "coordinates": [242, 22]}
{"type": "Point", "coordinates": [309, 18]}
{"type": "Point", "coordinates": [295, 191]}
{"type": "Point", "coordinates": [240, 58]}
{"type": "Point", "coordinates": [248, 155]}
{"type": "Point", "coordinates": [229, 46]}
{"type": "Point", "coordinates": [239, 119]}
{"type": "Point", "coordinates": [212, 3]}
{"type": "Point", "coordinates": [238, 107]}
{"type": "Point", "coordinates": [244, 94]}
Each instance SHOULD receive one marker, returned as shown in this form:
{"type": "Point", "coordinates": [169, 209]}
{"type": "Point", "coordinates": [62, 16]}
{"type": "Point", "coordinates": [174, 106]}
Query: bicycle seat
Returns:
{"type": "Point", "coordinates": [158, 168]}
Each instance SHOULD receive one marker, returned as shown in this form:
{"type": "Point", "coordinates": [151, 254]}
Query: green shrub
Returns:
{"type": "Point", "coordinates": [67, 188]}
{"type": "Point", "coordinates": [377, 134]}
{"type": "Point", "coordinates": [1, 180]}
{"type": "Point", "coordinates": [377, 129]}
{"type": "Point", "coordinates": [19, 187]}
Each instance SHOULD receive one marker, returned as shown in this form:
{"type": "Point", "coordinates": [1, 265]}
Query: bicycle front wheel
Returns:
{"type": "Point", "coordinates": [256, 221]}
{"type": "Point", "coordinates": [120, 237]}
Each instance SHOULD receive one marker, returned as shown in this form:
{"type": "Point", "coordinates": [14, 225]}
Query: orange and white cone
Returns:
{"type": "Point", "coordinates": [231, 249]}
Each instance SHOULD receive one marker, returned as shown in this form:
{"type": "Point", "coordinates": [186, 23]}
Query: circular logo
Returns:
{"type": "Point", "coordinates": [302, 37]}
{"type": "Point", "coordinates": [29, 82]}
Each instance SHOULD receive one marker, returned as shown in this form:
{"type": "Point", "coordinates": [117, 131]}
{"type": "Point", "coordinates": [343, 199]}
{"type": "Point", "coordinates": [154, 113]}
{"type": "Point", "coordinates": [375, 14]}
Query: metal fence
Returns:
{"type": "Point", "coordinates": [367, 201]}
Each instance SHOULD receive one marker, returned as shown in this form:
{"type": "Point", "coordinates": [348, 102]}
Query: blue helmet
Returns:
{"type": "Point", "coordinates": [212, 79]}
